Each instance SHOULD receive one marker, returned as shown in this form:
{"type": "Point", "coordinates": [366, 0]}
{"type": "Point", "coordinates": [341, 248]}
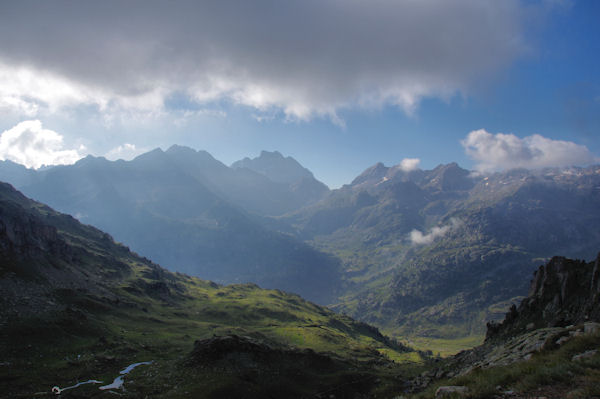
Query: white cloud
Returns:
{"type": "Point", "coordinates": [29, 144]}
{"type": "Point", "coordinates": [506, 151]}
{"type": "Point", "coordinates": [303, 58]}
{"type": "Point", "coordinates": [409, 164]}
{"type": "Point", "coordinates": [30, 91]}
{"type": "Point", "coordinates": [125, 151]}
{"type": "Point", "coordinates": [418, 238]}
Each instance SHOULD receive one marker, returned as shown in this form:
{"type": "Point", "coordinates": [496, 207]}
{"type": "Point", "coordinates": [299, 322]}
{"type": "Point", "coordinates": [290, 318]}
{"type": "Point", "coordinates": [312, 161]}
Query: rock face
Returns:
{"type": "Point", "coordinates": [22, 236]}
{"type": "Point", "coordinates": [563, 303]}
{"type": "Point", "coordinates": [563, 292]}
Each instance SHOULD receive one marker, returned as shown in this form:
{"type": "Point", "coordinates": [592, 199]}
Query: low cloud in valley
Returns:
{"type": "Point", "coordinates": [417, 237]}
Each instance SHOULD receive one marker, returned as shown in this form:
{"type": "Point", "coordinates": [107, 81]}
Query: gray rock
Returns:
{"type": "Point", "coordinates": [530, 326]}
{"type": "Point", "coordinates": [591, 328]}
{"type": "Point", "coordinates": [584, 355]}
{"type": "Point", "coordinates": [448, 390]}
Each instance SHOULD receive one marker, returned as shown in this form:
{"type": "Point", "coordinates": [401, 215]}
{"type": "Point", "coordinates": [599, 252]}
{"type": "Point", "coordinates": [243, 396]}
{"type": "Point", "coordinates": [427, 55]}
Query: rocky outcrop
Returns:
{"type": "Point", "coordinates": [563, 292]}
{"type": "Point", "coordinates": [24, 236]}
{"type": "Point", "coordinates": [563, 303]}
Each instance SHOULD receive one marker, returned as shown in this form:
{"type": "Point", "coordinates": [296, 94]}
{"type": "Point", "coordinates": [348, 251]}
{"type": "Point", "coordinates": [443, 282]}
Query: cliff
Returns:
{"type": "Point", "coordinates": [563, 292]}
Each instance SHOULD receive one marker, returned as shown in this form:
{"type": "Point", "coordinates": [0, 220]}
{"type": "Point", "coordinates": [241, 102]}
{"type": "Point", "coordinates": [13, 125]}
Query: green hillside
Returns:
{"type": "Point", "coordinates": [76, 306]}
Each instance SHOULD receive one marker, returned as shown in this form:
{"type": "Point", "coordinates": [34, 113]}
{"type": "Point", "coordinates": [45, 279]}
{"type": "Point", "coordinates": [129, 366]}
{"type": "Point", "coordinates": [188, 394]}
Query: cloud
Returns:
{"type": "Point", "coordinates": [302, 58]}
{"type": "Point", "coordinates": [125, 151]}
{"type": "Point", "coordinates": [409, 164]}
{"type": "Point", "coordinates": [33, 146]}
{"type": "Point", "coordinates": [418, 238]}
{"type": "Point", "coordinates": [506, 151]}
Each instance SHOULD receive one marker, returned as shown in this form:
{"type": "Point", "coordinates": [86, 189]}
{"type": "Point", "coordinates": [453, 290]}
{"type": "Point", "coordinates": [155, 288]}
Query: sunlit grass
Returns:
{"type": "Point", "coordinates": [442, 346]}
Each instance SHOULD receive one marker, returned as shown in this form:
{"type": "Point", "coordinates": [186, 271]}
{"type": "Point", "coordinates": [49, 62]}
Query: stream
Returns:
{"type": "Point", "coordinates": [116, 384]}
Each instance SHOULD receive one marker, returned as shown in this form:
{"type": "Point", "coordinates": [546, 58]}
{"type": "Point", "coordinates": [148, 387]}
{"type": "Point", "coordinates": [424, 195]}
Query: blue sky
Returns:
{"type": "Point", "coordinates": [338, 85]}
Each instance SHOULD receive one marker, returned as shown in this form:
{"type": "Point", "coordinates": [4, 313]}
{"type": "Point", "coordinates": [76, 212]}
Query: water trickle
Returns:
{"type": "Point", "coordinates": [118, 382]}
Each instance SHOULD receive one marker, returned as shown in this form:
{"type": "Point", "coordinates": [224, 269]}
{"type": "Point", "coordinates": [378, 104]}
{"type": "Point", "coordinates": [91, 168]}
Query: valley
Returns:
{"type": "Point", "coordinates": [429, 257]}
{"type": "Point", "coordinates": [425, 255]}
{"type": "Point", "coordinates": [77, 306]}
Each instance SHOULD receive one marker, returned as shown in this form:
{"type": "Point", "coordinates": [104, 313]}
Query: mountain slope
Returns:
{"type": "Point", "coordinates": [160, 207]}
{"type": "Point", "coordinates": [298, 180]}
{"type": "Point", "coordinates": [76, 306]}
{"type": "Point", "coordinates": [437, 253]}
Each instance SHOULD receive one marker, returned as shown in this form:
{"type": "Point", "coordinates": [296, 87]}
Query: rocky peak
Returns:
{"type": "Point", "coordinates": [270, 155]}
{"type": "Point", "coordinates": [372, 175]}
{"type": "Point", "coordinates": [194, 161]}
{"type": "Point", "coordinates": [276, 167]}
{"type": "Point", "coordinates": [563, 292]}
{"type": "Point", "coordinates": [450, 177]}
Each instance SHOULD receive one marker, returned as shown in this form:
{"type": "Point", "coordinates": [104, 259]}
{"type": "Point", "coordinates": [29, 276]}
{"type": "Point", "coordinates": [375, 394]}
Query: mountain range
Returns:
{"type": "Point", "coordinates": [416, 252]}
{"type": "Point", "coordinates": [438, 252]}
{"type": "Point", "coordinates": [191, 213]}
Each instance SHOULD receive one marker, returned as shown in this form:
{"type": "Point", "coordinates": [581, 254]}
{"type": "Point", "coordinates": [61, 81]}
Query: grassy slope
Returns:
{"type": "Point", "coordinates": [89, 315]}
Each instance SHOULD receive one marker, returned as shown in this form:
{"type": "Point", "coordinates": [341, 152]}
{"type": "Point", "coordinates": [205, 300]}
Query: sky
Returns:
{"type": "Point", "coordinates": [337, 84]}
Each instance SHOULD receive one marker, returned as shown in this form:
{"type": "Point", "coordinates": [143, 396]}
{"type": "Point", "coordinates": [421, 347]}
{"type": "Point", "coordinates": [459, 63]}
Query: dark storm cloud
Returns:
{"type": "Point", "coordinates": [304, 57]}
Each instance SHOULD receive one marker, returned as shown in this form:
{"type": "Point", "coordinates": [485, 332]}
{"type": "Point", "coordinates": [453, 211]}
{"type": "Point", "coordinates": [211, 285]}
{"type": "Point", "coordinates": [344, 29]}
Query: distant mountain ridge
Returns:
{"type": "Point", "coordinates": [178, 207]}
{"type": "Point", "coordinates": [269, 185]}
{"type": "Point", "coordinates": [274, 166]}
{"type": "Point", "coordinates": [300, 182]}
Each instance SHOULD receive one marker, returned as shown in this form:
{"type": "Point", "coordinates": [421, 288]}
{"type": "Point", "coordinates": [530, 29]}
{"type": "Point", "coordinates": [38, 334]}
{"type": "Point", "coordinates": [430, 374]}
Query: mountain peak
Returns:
{"type": "Point", "coordinates": [374, 174]}
{"type": "Point", "coordinates": [276, 167]}
{"type": "Point", "coordinates": [449, 177]}
{"type": "Point", "coordinates": [189, 153]}
{"type": "Point", "coordinates": [152, 153]}
{"type": "Point", "coordinates": [91, 160]}
{"type": "Point", "coordinates": [179, 149]}
{"type": "Point", "coordinates": [272, 155]}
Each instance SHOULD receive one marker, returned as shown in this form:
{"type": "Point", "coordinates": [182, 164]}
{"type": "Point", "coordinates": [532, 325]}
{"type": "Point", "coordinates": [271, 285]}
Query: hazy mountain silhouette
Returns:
{"type": "Point", "coordinates": [160, 204]}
